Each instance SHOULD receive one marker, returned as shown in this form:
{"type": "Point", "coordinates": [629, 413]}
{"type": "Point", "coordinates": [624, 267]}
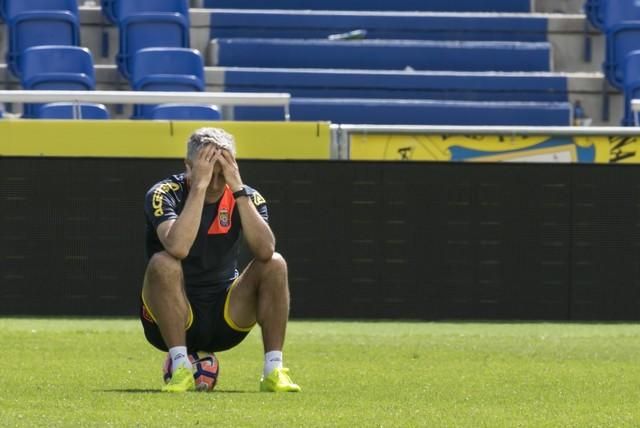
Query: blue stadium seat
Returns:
{"type": "Point", "coordinates": [66, 111]}
{"type": "Point", "coordinates": [614, 12]}
{"type": "Point", "coordinates": [621, 24]}
{"type": "Point", "coordinates": [308, 83]}
{"type": "Point", "coordinates": [402, 26]}
{"type": "Point", "coordinates": [56, 68]}
{"type": "Point", "coordinates": [385, 5]}
{"type": "Point", "coordinates": [631, 85]}
{"type": "Point", "coordinates": [44, 67]}
{"type": "Point", "coordinates": [185, 112]}
{"type": "Point", "coordinates": [415, 112]}
{"type": "Point", "coordinates": [166, 69]}
{"type": "Point", "coordinates": [383, 54]}
{"type": "Point", "coordinates": [39, 22]}
{"type": "Point", "coordinates": [621, 40]}
{"type": "Point", "coordinates": [150, 23]}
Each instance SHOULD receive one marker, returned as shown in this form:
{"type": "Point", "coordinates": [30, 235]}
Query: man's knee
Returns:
{"type": "Point", "coordinates": [275, 265]}
{"type": "Point", "coordinates": [163, 263]}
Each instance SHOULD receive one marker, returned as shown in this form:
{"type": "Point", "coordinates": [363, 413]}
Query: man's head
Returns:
{"type": "Point", "coordinates": [204, 136]}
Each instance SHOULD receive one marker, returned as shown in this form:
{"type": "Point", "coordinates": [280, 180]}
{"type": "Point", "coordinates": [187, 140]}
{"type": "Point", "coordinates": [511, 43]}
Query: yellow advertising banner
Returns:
{"type": "Point", "coordinates": [159, 139]}
{"type": "Point", "coordinates": [496, 148]}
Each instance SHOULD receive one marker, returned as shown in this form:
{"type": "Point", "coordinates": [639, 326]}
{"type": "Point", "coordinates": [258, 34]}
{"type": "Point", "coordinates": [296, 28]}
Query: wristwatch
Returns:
{"type": "Point", "coordinates": [241, 192]}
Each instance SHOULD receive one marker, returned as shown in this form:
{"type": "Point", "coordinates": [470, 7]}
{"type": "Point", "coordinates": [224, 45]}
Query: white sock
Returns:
{"type": "Point", "coordinates": [179, 357]}
{"type": "Point", "coordinates": [272, 360]}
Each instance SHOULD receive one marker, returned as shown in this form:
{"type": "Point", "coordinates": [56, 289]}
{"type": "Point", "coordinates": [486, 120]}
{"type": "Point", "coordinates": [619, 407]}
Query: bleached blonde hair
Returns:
{"type": "Point", "coordinates": [204, 136]}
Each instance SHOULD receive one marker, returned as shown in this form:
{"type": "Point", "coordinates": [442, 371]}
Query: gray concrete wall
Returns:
{"type": "Point", "coordinates": [576, 45]}
{"type": "Point", "coordinates": [557, 6]}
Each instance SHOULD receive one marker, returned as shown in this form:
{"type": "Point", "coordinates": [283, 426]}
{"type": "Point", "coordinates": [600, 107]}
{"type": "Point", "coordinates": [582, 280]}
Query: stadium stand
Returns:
{"type": "Point", "coordinates": [39, 22]}
{"type": "Point", "coordinates": [166, 69]}
{"type": "Point", "coordinates": [322, 83]}
{"type": "Point", "coordinates": [56, 67]}
{"type": "Point", "coordinates": [560, 65]}
{"type": "Point", "coordinates": [72, 111]}
{"type": "Point", "coordinates": [416, 112]}
{"type": "Point", "coordinates": [149, 23]}
{"type": "Point", "coordinates": [310, 24]}
{"type": "Point", "coordinates": [382, 54]}
{"type": "Point", "coordinates": [398, 5]}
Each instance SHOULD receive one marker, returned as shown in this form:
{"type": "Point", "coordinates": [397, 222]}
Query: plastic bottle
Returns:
{"type": "Point", "coordinates": [351, 35]}
{"type": "Point", "coordinates": [580, 117]}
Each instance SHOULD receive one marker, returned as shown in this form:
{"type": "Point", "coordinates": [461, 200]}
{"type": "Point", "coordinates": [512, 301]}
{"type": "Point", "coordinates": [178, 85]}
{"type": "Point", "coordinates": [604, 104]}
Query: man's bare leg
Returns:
{"type": "Point", "coordinates": [261, 295]}
{"type": "Point", "coordinates": [163, 293]}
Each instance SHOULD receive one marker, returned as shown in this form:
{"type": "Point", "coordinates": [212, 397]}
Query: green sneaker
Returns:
{"type": "Point", "coordinates": [278, 381]}
{"type": "Point", "coordinates": [181, 381]}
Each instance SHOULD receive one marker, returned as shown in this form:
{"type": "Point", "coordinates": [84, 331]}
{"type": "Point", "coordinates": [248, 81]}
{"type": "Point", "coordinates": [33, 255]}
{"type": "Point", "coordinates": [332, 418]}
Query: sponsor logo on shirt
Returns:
{"type": "Point", "coordinates": [156, 200]}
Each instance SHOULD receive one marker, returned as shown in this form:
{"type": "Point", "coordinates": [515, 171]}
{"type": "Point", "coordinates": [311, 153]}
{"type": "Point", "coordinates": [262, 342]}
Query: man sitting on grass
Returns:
{"type": "Point", "coordinates": [193, 298]}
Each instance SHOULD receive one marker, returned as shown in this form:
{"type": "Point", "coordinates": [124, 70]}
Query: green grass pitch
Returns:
{"type": "Point", "coordinates": [101, 372]}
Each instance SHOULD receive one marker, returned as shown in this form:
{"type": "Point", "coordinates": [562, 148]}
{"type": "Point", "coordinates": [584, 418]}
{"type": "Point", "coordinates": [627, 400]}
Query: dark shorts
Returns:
{"type": "Point", "coordinates": [210, 328]}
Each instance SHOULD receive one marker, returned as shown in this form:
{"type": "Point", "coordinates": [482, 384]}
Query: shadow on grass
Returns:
{"type": "Point", "coordinates": [153, 391]}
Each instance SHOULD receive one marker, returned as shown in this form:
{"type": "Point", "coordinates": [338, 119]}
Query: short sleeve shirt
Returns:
{"type": "Point", "coordinates": [213, 257]}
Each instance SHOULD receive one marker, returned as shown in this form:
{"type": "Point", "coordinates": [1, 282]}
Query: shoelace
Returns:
{"type": "Point", "coordinates": [283, 375]}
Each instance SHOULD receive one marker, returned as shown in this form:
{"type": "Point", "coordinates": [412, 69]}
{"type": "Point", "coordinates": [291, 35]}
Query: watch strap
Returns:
{"type": "Point", "coordinates": [241, 192]}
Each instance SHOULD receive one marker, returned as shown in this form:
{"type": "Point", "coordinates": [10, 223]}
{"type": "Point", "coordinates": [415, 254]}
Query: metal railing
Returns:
{"type": "Point", "coordinates": [148, 97]}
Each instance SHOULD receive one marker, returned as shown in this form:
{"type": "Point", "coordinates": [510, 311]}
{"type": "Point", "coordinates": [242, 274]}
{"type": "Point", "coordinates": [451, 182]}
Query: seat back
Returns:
{"type": "Point", "coordinates": [13, 8]}
{"type": "Point", "coordinates": [382, 5]}
{"type": "Point", "coordinates": [310, 83]}
{"type": "Point", "coordinates": [37, 29]}
{"type": "Point", "coordinates": [615, 12]}
{"type": "Point", "coordinates": [621, 40]}
{"type": "Point", "coordinates": [167, 65]}
{"type": "Point", "coordinates": [48, 64]}
{"type": "Point", "coordinates": [166, 69]}
{"type": "Point", "coordinates": [150, 30]}
{"type": "Point", "coordinates": [125, 8]}
{"type": "Point", "coordinates": [185, 112]}
{"type": "Point", "coordinates": [69, 110]}
{"type": "Point", "coordinates": [56, 68]}
{"type": "Point", "coordinates": [229, 23]}
{"type": "Point", "coordinates": [415, 112]}
{"type": "Point", "coordinates": [383, 54]}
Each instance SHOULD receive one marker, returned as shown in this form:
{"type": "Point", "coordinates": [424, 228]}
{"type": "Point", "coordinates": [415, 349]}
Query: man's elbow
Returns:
{"type": "Point", "coordinates": [177, 252]}
{"type": "Point", "coordinates": [264, 253]}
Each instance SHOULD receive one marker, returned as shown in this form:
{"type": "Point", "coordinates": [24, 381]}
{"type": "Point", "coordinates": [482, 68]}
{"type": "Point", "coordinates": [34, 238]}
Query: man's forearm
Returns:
{"type": "Point", "coordinates": [257, 233]}
{"type": "Point", "coordinates": [182, 234]}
